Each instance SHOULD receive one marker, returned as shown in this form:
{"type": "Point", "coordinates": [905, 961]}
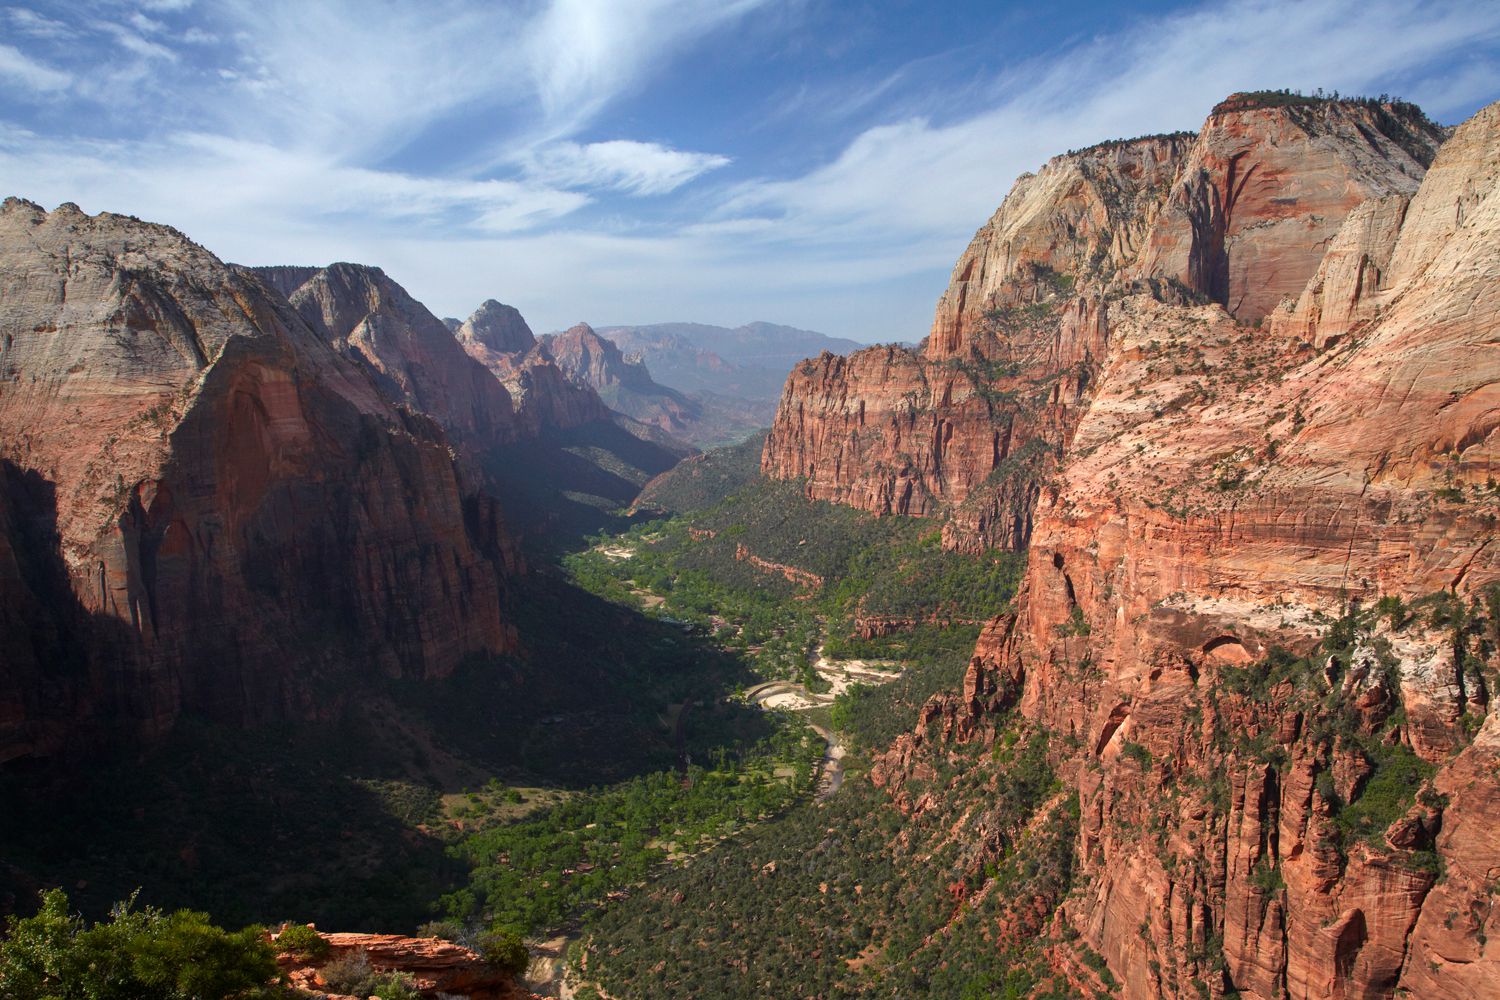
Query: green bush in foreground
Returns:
{"type": "Point", "coordinates": [55, 955]}
{"type": "Point", "coordinates": [301, 939]}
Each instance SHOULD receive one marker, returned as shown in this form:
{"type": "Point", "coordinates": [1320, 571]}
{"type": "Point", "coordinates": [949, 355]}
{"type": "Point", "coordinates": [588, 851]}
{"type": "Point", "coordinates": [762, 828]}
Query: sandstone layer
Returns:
{"type": "Point", "coordinates": [1241, 215]}
{"type": "Point", "coordinates": [498, 338]}
{"type": "Point", "coordinates": [215, 511]}
{"type": "Point", "coordinates": [625, 384]}
{"type": "Point", "coordinates": [1324, 489]}
{"type": "Point", "coordinates": [434, 967]}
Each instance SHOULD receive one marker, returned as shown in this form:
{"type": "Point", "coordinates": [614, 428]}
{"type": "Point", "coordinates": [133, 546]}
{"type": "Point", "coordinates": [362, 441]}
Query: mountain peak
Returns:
{"type": "Point", "coordinates": [498, 327]}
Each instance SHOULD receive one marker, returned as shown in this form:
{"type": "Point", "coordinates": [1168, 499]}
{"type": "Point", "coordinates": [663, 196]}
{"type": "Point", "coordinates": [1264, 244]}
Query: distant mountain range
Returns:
{"type": "Point", "coordinates": [708, 385]}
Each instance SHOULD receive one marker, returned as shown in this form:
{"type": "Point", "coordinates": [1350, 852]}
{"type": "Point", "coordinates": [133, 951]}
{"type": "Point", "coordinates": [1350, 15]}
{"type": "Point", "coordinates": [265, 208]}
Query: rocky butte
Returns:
{"type": "Point", "coordinates": [965, 427]}
{"type": "Point", "coordinates": [1260, 607]}
{"type": "Point", "coordinates": [215, 500]}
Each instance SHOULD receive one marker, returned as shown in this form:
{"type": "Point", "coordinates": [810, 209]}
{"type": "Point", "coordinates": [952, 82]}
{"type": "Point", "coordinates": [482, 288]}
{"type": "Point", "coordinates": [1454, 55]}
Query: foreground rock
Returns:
{"type": "Point", "coordinates": [435, 967]}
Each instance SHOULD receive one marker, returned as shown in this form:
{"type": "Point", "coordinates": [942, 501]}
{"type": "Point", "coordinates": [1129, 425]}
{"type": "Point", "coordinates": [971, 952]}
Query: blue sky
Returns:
{"type": "Point", "coordinates": [809, 162]}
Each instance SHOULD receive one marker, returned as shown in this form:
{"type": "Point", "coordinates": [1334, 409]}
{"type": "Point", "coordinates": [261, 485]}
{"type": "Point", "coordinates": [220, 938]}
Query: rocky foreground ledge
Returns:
{"type": "Point", "coordinates": [436, 967]}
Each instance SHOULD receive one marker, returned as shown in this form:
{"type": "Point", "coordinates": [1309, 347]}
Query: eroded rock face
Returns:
{"type": "Point", "coordinates": [498, 338]}
{"type": "Point", "coordinates": [220, 512]}
{"type": "Point", "coordinates": [625, 384]}
{"type": "Point", "coordinates": [412, 353]}
{"type": "Point", "coordinates": [435, 967]}
{"type": "Point", "coordinates": [968, 425]}
{"type": "Point", "coordinates": [1081, 213]}
{"type": "Point", "coordinates": [1227, 492]}
{"type": "Point", "coordinates": [1264, 189]}
{"type": "Point", "coordinates": [1240, 214]}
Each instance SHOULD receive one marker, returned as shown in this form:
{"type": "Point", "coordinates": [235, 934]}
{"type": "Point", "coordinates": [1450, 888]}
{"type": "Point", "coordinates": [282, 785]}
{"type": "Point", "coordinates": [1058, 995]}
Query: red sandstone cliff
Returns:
{"type": "Point", "coordinates": [412, 354]}
{"type": "Point", "coordinates": [498, 338]}
{"type": "Point", "coordinates": [1226, 492]}
{"type": "Point", "coordinates": [624, 384]}
{"type": "Point", "coordinates": [1265, 188]}
{"type": "Point", "coordinates": [214, 510]}
{"type": "Point", "coordinates": [967, 427]}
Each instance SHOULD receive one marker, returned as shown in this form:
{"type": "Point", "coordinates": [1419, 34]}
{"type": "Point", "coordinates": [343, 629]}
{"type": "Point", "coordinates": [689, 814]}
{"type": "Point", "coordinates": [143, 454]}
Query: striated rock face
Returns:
{"type": "Point", "coordinates": [966, 427]}
{"type": "Point", "coordinates": [498, 338]}
{"type": "Point", "coordinates": [623, 383]}
{"type": "Point", "coordinates": [1226, 493]}
{"type": "Point", "coordinates": [495, 327]}
{"type": "Point", "coordinates": [1241, 214]}
{"type": "Point", "coordinates": [1265, 188]}
{"type": "Point", "coordinates": [412, 354]}
{"type": "Point", "coordinates": [1081, 213]}
{"type": "Point", "coordinates": [219, 512]}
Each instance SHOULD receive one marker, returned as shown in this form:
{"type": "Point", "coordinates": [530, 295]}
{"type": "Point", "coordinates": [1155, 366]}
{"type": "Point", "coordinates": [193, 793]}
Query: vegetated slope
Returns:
{"type": "Point", "coordinates": [1260, 603]}
{"type": "Point", "coordinates": [207, 509]}
{"type": "Point", "coordinates": [703, 480]}
{"type": "Point", "coordinates": [970, 425]}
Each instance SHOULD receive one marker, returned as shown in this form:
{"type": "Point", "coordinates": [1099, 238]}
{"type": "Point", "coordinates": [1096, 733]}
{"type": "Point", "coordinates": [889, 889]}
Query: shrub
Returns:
{"type": "Point", "coordinates": [448, 930]}
{"type": "Point", "coordinates": [504, 949]}
{"type": "Point", "coordinates": [348, 973]}
{"type": "Point", "coordinates": [1138, 753]}
{"type": "Point", "coordinates": [55, 955]}
{"type": "Point", "coordinates": [302, 940]}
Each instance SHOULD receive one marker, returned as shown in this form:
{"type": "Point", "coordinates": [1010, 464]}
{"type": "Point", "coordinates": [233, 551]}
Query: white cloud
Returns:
{"type": "Point", "coordinates": [133, 42]}
{"type": "Point", "coordinates": [21, 69]}
{"type": "Point", "coordinates": [292, 139]}
{"type": "Point", "coordinates": [580, 54]}
{"type": "Point", "coordinates": [907, 178]}
{"type": "Point", "coordinates": [199, 182]}
{"type": "Point", "coordinates": [29, 22]}
{"type": "Point", "coordinates": [642, 168]}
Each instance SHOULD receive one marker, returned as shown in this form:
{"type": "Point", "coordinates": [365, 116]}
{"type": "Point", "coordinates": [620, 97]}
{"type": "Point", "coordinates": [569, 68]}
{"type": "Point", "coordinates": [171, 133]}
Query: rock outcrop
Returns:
{"type": "Point", "coordinates": [433, 966]}
{"type": "Point", "coordinates": [1258, 613]}
{"type": "Point", "coordinates": [969, 425]}
{"type": "Point", "coordinates": [546, 399]}
{"type": "Point", "coordinates": [217, 511]}
{"type": "Point", "coordinates": [623, 383]}
{"type": "Point", "coordinates": [1268, 184]}
{"type": "Point", "coordinates": [410, 352]}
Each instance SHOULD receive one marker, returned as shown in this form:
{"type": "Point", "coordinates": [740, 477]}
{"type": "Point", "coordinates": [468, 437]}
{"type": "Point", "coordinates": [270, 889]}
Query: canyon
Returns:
{"type": "Point", "coordinates": [210, 469]}
{"type": "Point", "coordinates": [1233, 393]}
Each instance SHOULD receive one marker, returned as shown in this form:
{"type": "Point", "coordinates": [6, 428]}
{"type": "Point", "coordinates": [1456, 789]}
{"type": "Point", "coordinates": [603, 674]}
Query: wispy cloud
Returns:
{"type": "Point", "coordinates": [475, 149]}
{"type": "Point", "coordinates": [18, 68]}
{"type": "Point", "coordinates": [642, 168]}
{"type": "Point", "coordinates": [581, 54]}
{"type": "Point", "coordinates": [29, 22]}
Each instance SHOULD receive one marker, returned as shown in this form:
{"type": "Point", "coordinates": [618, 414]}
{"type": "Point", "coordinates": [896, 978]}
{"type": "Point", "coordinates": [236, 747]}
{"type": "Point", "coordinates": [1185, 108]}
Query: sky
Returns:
{"type": "Point", "coordinates": [818, 163]}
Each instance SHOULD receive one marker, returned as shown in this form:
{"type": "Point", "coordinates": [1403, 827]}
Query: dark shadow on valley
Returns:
{"type": "Point", "coordinates": [338, 820]}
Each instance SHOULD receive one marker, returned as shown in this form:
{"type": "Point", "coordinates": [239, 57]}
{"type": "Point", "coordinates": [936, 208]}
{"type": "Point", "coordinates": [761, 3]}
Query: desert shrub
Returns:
{"type": "Point", "coordinates": [448, 930]}
{"type": "Point", "coordinates": [1387, 794]}
{"type": "Point", "coordinates": [504, 949]}
{"type": "Point", "coordinates": [302, 940]}
{"type": "Point", "coordinates": [56, 955]}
